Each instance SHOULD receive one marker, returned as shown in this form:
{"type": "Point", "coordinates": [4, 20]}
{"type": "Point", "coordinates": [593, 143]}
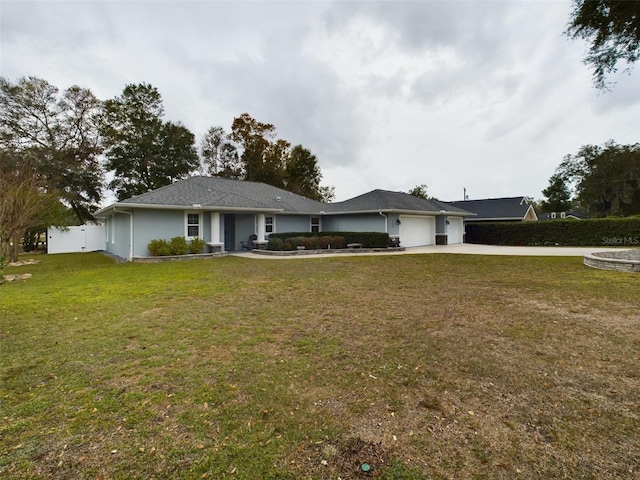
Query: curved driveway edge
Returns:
{"type": "Point", "coordinates": [462, 248]}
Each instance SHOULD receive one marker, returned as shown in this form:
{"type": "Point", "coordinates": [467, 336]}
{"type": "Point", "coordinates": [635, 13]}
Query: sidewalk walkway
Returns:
{"type": "Point", "coordinates": [462, 248]}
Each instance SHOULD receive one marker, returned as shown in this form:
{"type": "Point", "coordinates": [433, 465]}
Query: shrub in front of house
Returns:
{"type": "Point", "coordinates": [158, 247]}
{"type": "Point", "coordinates": [366, 239]}
{"type": "Point", "coordinates": [196, 245]}
{"type": "Point", "coordinates": [295, 242]}
{"type": "Point", "coordinates": [324, 242]}
{"type": "Point", "coordinates": [178, 246]}
{"type": "Point", "coordinates": [338, 242]}
{"type": "Point", "coordinates": [310, 243]}
{"type": "Point", "coordinates": [275, 243]}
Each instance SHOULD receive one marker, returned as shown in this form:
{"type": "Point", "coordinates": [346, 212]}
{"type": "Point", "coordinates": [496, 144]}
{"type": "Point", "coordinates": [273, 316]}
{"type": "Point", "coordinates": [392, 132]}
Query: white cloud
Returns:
{"type": "Point", "coordinates": [487, 95]}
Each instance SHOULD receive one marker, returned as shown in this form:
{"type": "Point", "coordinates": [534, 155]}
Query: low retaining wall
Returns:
{"type": "Point", "coordinates": [178, 258]}
{"type": "Point", "coordinates": [294, 253]}
{"type": "Point", "coordinates": [622, 261]}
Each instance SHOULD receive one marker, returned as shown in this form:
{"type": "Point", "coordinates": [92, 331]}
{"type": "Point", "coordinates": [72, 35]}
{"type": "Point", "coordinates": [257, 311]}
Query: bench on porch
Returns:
{"type": "Point", "coordinates": [249, 244]}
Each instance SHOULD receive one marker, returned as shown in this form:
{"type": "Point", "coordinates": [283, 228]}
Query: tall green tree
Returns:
{"type": "Point", "coordinates": [613, 29]}
{"type": "Point", "coordinates": [60, 133]}
{"type": "Point", "coordinates": [144, 152]}
{"type": "Point", "coordinates": [303, 174]}
{"type": "Point", "coordinates": [261, 157]}
{"type": "Point", "coordinates": [606, 179]}
{"type": "Point", "coordinates": [419, 191]}
{"type": "Point", "coordinates": [252, 151]}
{"type": "Point", "coordinates": [557, 194]}
{"type": "Point", "coordinates": [219, 156]}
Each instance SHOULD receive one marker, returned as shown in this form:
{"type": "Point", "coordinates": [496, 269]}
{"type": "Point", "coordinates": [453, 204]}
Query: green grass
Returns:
{"type": "Point", "coordinates": [422, 366]}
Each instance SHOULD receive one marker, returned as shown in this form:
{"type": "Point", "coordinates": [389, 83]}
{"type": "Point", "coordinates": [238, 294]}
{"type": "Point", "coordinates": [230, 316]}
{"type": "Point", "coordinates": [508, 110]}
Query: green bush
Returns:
{"type": "Point", "coordinates": [178, 246]}
{"type": "Point", "coordinates": [367, 239]}
{"type": "Point", "coordinates": [295, 242]}
{"type": "Point", "coordinates": [286, 246]}
{"type": "Point", "coordinates": [590, 232]}
{"type": "Point", "coordinates": [310, 243]}
{"type": "Point", "coordinates": [324, 242]}
{"type": "Point", "coordinates": [338, 242]}
{"type": "Point", "coordinates": [158, 248]}
{"type": "Point", "coordinates": [196, 245]}
{"type": "Point", "coordinates": [275, 243]}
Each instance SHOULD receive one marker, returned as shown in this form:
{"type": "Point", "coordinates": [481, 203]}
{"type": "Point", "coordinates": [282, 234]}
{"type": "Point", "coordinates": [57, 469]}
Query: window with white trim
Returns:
{"type": "Point", "coordinates": [193, 225]}
{"type": "Point", "coordinates": [315, 224]}
{"type": "Point", "coordinates": [269, 224]}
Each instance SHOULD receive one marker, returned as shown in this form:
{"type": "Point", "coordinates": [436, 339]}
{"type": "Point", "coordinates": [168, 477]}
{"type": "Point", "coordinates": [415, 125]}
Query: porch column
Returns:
{"type": "Point", "coordinates": [215, 227]}
{"type": "Point", "coordinates": [261, 227]}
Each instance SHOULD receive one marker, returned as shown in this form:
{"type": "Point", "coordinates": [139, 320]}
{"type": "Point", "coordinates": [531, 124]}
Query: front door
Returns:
{"type": "Point", "coordinates": [229, 232]}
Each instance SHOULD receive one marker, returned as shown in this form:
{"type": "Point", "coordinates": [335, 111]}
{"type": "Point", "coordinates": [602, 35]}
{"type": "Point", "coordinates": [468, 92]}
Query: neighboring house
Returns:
{"type": "Point", "coordinates": [561, 216]}
{"type": "Point", "coordinates": [226, 212]}
{"type": "Point", "coordinates": [508, 209]}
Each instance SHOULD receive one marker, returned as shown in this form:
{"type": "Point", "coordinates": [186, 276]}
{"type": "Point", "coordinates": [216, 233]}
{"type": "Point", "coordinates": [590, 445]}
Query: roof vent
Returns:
{"type": "Point", "coordinates": [278, 199]}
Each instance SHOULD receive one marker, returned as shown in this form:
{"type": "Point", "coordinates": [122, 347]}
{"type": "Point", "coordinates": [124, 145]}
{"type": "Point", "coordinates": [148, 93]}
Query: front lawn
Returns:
{"type": "Point", "coordinates": [421, 366]}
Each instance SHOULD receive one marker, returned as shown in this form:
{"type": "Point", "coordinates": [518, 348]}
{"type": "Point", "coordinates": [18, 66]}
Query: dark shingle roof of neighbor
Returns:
{"type": "Point", "coordinates": [507, 208]}
{"type": "Point", "coordinates": [230, 194]}
{"type": "Point", "coordinates": [226, 193]}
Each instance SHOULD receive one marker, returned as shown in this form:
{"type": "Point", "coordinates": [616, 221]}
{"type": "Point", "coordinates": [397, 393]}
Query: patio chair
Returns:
{"type": "Point", "coordinates": [248, 245]}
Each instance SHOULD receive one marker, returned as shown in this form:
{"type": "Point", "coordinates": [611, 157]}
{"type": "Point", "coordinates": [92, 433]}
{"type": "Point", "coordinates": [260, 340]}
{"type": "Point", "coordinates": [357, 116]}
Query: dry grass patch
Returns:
{"type": "Point", "coordinates": [428, 366]}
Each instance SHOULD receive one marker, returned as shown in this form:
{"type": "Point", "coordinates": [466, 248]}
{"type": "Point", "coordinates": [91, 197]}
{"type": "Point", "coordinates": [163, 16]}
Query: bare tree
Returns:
{"type": "Point", "coordinates": [24, 202]}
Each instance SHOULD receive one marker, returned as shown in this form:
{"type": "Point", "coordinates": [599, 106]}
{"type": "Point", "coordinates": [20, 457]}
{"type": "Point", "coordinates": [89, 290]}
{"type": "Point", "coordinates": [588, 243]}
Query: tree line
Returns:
{"type": "Point", "coordinates": [599, 181]}
{"type": "Point", "coordinates": [57, 149]}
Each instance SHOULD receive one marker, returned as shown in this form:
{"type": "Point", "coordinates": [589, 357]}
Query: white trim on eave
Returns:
{"type": "Point", "coordinates": [402, 212]}
{"type": "Point", "coordinates": [186, 207]}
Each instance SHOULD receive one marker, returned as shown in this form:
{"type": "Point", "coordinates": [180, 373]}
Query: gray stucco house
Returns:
{"type": "Point", "coordinates": [225, 212]}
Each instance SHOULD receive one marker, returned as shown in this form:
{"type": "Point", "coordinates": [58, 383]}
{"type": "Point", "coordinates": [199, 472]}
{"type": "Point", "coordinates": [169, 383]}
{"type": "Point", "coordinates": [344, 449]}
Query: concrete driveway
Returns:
{"type": "Point", "coordinates": [472, 249]}
{"type": "Point", "coordinates": [462, 248]}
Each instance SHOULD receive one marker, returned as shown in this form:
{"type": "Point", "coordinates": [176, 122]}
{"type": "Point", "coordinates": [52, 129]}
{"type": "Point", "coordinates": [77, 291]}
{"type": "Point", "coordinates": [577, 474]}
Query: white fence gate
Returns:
{"type": "Point", "coordinates": [85, 238]}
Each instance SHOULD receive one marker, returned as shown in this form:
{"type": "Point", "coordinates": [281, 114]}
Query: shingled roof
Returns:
{"type": "Point", "coordinates": [216, 193]}
{"type": "Point", "coordinates": [496, 209]}
{"type": "Point", "coordinates": [222, 193]}
{"type": "Point", "coordinates": [384, 200]}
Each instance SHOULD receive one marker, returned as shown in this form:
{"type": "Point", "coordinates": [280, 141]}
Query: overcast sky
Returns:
{"type": "Point", "coordinates": [487, 95]}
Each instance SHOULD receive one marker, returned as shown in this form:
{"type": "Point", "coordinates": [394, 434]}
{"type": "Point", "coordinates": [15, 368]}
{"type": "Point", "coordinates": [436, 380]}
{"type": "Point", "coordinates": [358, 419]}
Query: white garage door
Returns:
{"type": "Point", "coordinates": [416, 231]}
{"type": "Point", "coordinates": [455, 230]}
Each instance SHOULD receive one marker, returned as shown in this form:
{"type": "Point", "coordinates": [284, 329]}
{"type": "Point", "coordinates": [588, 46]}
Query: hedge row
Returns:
{"type": "Point", "coordinates": [175, 246]}
{"type": "Point", "coordinates": [591, 232]}
{"type": "Point", "coordinates": [367, 239]}
{"type": "Point", "coordinates": [309, 243]}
